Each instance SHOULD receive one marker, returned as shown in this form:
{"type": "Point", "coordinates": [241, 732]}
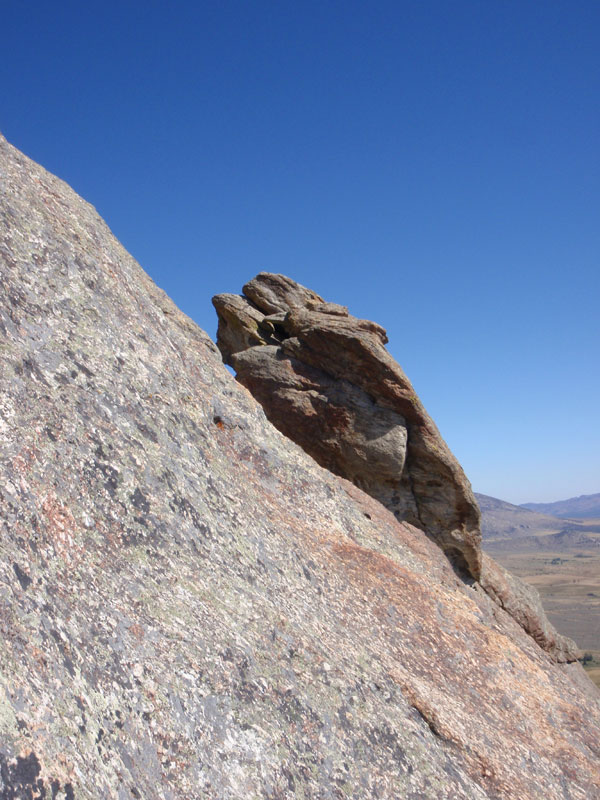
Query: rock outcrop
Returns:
{"type": "Point", "coordinates": [192, 608]}
{"type": "Point", "coordinates": [326, 381]}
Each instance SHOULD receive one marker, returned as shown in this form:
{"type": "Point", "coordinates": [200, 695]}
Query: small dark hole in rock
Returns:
{"type": "Point", "coordinates": [218, 422]}
{"type": "Point", "coordinates": [368, 516]}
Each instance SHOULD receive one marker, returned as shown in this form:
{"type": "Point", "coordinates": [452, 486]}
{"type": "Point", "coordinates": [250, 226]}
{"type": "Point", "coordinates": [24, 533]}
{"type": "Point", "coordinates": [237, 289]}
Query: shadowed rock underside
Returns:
{"type": "Point", "coordinates": [191, 607]}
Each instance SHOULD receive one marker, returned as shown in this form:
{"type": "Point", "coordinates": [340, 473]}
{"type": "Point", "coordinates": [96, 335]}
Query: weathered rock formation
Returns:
{"type": "Point", "coordinates": [326, 380]}
{"type": "Point", "coordinates": [191, 608]}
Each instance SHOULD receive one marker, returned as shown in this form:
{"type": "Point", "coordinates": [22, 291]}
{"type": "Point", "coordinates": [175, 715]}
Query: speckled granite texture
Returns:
{"type": "Point", "coordinates": [190, 607]}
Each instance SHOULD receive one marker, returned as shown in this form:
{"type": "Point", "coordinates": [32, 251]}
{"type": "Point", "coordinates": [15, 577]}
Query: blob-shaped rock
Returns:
{"type": "Point", "coordinates": [326, 381]}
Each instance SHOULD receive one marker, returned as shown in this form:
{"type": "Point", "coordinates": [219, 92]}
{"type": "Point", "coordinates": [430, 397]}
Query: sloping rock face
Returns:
{"type": "Point", "coordinates": [191, 607]}
{"type": "Point", "coordinates": [326, 380]}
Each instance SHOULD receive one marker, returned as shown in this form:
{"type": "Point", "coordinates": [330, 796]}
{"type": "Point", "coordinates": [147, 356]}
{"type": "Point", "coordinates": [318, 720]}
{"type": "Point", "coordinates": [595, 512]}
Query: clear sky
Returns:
{"type": "Point", "coordinates": [433, 164]}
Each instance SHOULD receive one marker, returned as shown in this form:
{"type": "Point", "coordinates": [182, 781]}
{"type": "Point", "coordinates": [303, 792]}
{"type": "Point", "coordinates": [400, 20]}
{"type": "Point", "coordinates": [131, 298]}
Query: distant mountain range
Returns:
{"type": "Point", "coordinates": [506, 527]}
{"type": "Point", "coordinates": [502, 520]}
{"type": "Point", "coordinates": [561, 542]}
{"type": "Point", "coordinates": [586, 506]}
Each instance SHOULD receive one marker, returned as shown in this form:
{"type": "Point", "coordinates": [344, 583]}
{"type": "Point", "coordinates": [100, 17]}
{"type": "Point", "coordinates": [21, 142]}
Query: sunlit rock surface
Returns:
{"type": "Point", "coordinates": [327, 382]}
{"type": "Point", "coordinates": [191, 607]}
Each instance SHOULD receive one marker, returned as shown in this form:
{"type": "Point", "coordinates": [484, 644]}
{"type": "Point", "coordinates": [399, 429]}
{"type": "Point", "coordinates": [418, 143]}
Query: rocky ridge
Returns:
{"type": "Point", "coordinates": [191, 607]}
{"type": "Point", "coordinates": [327, 382]}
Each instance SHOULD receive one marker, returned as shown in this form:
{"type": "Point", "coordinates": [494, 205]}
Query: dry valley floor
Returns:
{"type": "Point", "coordinates": [567, 576]}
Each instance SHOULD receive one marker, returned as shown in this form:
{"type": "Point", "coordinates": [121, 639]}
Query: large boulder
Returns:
{"type": "Point", "coordinates": [326, 380]}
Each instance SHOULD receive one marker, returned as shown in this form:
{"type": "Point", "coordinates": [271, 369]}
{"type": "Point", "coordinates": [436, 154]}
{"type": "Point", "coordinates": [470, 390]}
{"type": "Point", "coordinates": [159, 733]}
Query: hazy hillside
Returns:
{"type": "Point", "coordinates": [560, 542]}
{"type": "Point", "coordinates": [500, 520]}
{"type": "Point", "coordinates": [586, 506]}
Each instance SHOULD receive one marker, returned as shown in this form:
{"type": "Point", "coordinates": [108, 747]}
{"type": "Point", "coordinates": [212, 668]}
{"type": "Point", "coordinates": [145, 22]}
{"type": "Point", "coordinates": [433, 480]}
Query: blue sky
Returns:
{"type": "Point", "coordinates": [433, 165]}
